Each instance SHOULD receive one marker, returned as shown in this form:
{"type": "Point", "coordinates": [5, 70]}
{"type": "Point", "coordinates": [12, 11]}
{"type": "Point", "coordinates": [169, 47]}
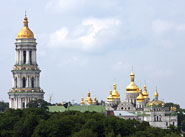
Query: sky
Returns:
{"type": "Point", "coordinates": [88, 45]}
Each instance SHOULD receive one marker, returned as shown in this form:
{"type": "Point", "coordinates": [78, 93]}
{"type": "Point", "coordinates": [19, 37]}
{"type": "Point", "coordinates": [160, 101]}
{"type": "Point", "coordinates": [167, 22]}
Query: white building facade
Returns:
{"type": "Point", "coordinates": [26, 73]}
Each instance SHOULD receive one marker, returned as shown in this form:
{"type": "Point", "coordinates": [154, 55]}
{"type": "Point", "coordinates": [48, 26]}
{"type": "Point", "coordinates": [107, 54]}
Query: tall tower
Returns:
{"type": "Point", "coordinates": [26, 73]}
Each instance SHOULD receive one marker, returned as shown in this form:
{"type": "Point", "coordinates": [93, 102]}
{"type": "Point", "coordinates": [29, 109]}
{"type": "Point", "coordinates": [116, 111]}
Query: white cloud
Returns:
{"type": "Point", "coordinates": [92, 33]}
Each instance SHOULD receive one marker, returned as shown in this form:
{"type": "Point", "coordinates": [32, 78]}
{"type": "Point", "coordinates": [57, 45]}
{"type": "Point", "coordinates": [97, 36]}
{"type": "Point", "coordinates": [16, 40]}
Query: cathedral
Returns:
{"type": "Point", "coordinates": [26, 73]}
{"type": "Point", "coordinates": [137, 102]}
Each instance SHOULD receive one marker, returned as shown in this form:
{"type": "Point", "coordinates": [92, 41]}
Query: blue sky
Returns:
{"type": "Point", "coordinates": [88, 45]}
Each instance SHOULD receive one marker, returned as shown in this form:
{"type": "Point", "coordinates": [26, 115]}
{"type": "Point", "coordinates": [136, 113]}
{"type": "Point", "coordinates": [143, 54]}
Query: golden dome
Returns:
{"type": "Point", "coordinates": [156, 102]}
{"type": "Point", "coordinates": [145, 93]}
{"type": "Point", "coordinates": [163, 105]}
{"type": "Point", "coordinates": [82, 102]}
{"type": "Point", "coordinates": [25, 33]}
{"type": "Point", "coordinates": [132, 87]}
{"type": "Point", "coordinates": [156, 94]}
{"type": "Point", "coordinates": [173, 108]}
{"type": "Point", "coordinates": [110, 97]}
{"type": "Point", "coordinates": [115, 93]}
{"type": "Point", "coordinates": [95, 100]}
{"type": "Point", "coordinates": [88, 99]}
{"type": "Point", "coordinates": [140, 98]}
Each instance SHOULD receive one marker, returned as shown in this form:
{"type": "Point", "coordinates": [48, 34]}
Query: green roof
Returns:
{"type": "Point", "coordinates": [56, 108]}
{"type": "Point", "coordinates": [90, 108]}
{"type": "Point", "coordinates": [83, 108]}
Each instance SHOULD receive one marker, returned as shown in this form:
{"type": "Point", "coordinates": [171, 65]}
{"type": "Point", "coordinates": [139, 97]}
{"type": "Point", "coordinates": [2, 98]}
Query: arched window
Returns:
{"type": "Point", "coordinates": [15, 82]}
{"type": "Point", "coordinates": [157, 118]}
{"type": "Point", "coordinates": [32, 82]}
{"type": "Point", "coordinates": [30, 57]}
{"type": "Point", "coordinates": [24, 82]}
{"type": "Point", "coordinates": [24, 57]}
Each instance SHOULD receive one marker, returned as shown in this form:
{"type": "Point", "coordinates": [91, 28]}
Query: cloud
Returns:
{"type": "Point", "coordinates": [64, 5]}
{"type": "Point", "coordinates": [161, 27]}
{"type": "Point", "coordinates": [75, 60]}
{"type": "Point", "coordinates": [91, 34]}
{"type": "Point", "coordinates": [84, 6]}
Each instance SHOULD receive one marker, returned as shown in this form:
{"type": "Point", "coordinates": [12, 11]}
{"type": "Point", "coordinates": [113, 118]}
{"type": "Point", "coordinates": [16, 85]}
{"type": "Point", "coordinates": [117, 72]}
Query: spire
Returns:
{"type": "Point", "coordinates": [132, 76]}
{"type": "Point", "coordinates": [115, 86]}
{"type": "Point", "coordinates": [156, 95]}
{"type": "Point", "coordinates": [25, 20]}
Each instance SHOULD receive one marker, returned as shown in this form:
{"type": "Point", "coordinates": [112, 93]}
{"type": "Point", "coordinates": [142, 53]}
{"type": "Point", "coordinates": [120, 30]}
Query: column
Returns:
{"type": "Point", "coordinates": [36, 82]}
{"type": "Point", "coordinates": [16, 56]}
{"type": "Point", "coordinates": [10, 102]}
{"type": "Point", "coordinates": [27, 82]}
{"type": "Point", "coordinates": [27, 57]}
{"type": "Point", "coordinates": [34, 56]}
{"type": "Point", "coordinates": [18, 52]}
{"type": "Point", "coordinates": [21, 57]}
{"type": "Point", "coordinates": [25, 100]}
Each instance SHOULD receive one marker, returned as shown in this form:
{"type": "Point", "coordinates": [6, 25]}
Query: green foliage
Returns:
{"type": "Point", "coordinates": [38, 122]}
{"type": "Point", "coordinates": [84, 133]}
{"type": "Point", "coordinates": [3, 106]}
{"type": "Point", "coordinates": [38, 104]}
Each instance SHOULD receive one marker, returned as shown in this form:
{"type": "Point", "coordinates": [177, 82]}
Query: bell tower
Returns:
{"type": "Point", "coordinates": [26, 73]}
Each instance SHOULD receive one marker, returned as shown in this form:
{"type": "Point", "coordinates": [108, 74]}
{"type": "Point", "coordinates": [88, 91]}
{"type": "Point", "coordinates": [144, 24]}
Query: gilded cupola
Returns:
{"type": "Point", "coordinates": [115, 93]}
{"type": "Point", "coordinates": [82, 102]}
{"type": "Point", "coordinates": [110, 97]}
{"type": "Point", "coordinates": [25, 33]}
{"type": "Point", "coordinates": [140, 98]}
{"type": "Point", "coordinates": [88, 99]}
{"type": "Point", "coordinates": [145, 93]}
{"type": "Point", "coordinates": [156, 94]}
{"type": "Point", "coordinates": [132, 87]}
{"type": "Point", "coordinates": [95, 100]}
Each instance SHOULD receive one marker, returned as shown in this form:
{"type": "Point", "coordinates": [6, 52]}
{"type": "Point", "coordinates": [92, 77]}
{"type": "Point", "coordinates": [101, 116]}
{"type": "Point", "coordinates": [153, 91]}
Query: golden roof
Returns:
{"type": "Point", "coordinates": [140, 98]}
{"type": "Point", "coordinates": [156, 94]}
{"type": "Point", "coordinates": [145, 93]}
{"type": "Point", "coordinates": [95, 100]}
{"type": "Point", "coordinates": [25, 33]}
{"type": "Point", "coordinates": [82, 102]}
{"type": "Point", "coordinates": [156, 103]}
{"type": "Point", "coordinates": [88, 99]}
{"type": "Point", "coordinates": [110, 97]}
{"type": "Point", "coordinates": [115, 93]}
{"type": "Point", "coordinates": [132, 87]}
{"type": "Point", "coordinates": [173, 108]}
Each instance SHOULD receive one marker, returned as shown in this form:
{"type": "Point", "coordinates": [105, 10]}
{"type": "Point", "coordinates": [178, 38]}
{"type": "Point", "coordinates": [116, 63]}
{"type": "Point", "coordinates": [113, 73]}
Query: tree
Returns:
{"type": "Point", "coordinates": [38, 104]}
{"type": "Point", "coordinates": [3, 106]}
{"type": "Point", "coordinates": [84, 133]}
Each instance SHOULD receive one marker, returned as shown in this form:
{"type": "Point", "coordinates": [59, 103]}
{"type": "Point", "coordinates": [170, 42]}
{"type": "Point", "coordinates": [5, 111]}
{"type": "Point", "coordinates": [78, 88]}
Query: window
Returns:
{"type": "Point", "coordinates": [24, 82]}
{"type": "Point", "coordinates": [154, 117]}
{"type": "Point", "coordinates": [32, 82]}
{"type": "Point", "coordinates": [30, 57]}
{"type": "Point", "coordinates": [16, 82]}
{"type": "Point", "coordinates": [24, 57]}
{"type": "Point", "coordinates": [23, 105]}
{"type": "Point", "coordinates": [166, 123]}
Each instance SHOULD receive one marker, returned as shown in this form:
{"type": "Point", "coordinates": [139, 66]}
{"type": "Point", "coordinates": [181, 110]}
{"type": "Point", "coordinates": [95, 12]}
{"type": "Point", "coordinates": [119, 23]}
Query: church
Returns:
{"type": "Point", "coordinates": [26, 73]}
{"type": "Point", "coordinates": [138, 103]}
